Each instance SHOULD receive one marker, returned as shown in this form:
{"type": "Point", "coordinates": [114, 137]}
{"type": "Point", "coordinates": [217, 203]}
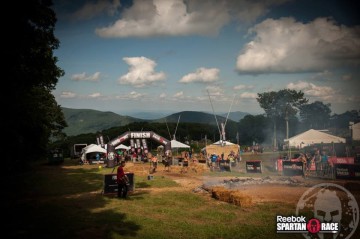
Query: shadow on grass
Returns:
{"type": "Point", "coordinates": [57, 202]}
{"type": "Point", "coordinates": [142, 185]}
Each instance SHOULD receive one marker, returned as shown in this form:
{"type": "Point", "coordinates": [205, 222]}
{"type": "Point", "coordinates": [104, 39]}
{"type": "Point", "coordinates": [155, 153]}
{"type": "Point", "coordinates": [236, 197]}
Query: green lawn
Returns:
{"type": "Point", "coordinates": [66, 202]}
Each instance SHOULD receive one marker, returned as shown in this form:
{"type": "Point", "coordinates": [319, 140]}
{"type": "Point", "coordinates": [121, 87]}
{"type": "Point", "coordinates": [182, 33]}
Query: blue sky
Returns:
{"type": "Point", "coordinates": [172, 55]}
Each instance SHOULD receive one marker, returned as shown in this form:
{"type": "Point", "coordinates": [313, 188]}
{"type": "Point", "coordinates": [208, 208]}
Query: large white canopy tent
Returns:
{"type": "Point", "coordinates": [176, 144]}
{"type": "Point", "coordinates": [93, 148]}
{"type": "Point", "coordinates": [311, 137]}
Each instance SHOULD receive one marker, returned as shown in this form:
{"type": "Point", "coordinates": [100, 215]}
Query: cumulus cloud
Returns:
{"type": "Point", "coordinates": [94, 95]}
{"type": "Point", "coordinates": [168, 17]}
{"type": "Point", "coordinates": [147, 18]}
{"type": "Point", "coordinates": [243, 87]}
{"type": "Point", "coordinates": [179, 94]}
{"type": "Point", "coordinates": [203, 75]}
{"type": "Point", "coordinates": [141, 72]}
{"type": "Point", "coordinates": [84, 77]}
{"type": "Point", "coordinates": [312, 90]}
{"type": "Point", "coordinates": [130, 96]}
{"type": "Point", "coordinates": [94, 9]}
{"type": "Point", "coordinates": [247, 11]}
{"type": "Point", "coordinates": [248, 95]}
{"type": "Point", "coordinates": [215, 90]}
{"type": "Point", "coordinates": [285, 45]}
{"type": "Point", "coordinates": [67, 95]}
{"type": "Point", "coordinates": [162, 95]}
{"type": "Point", "coordinates": [135, 95]}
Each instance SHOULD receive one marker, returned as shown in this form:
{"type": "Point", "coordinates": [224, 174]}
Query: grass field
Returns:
{"type": "Point", "coordinates": [65, 201]}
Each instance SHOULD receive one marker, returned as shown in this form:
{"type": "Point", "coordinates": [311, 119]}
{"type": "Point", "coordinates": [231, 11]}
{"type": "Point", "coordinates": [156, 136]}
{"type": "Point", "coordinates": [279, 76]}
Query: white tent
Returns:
{"type": "Point", "coordinates": [176, 144]}
{"type": "Point", "coordinates": [312, 137]}
{"type": "Point", "coordinates": [93, 148]}
{"type": "Point", "coordinates": [223, 142]}
{"type": "Point", "coordinates": [121, 146]}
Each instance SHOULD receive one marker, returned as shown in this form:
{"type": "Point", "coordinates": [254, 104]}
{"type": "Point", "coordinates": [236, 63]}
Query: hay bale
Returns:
{"type": "Point", "coordinates": [198, 168]}
{"type": "Point", "coordinates": [241, 199]}
{"type": "Point", "coordinates": [221, 194]}
{"type": "Point", "coordinates": [229, 196]}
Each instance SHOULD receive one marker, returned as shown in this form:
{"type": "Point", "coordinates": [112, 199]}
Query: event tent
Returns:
{"type": "Point", "coordinates": [312, 137]}
{"type": "Point", "coordinates": [93, 148]}
{"type": "Point", "coordinates": [176, 144]}
{"type": "Point", "coordinates": [121, 146]}
{"type": "Point", "coordinates": [223, 143]}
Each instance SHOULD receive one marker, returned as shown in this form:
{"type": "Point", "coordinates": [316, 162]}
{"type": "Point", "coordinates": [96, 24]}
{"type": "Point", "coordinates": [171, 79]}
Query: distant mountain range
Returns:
{"type": "Point", "coordinates": [82, 121]}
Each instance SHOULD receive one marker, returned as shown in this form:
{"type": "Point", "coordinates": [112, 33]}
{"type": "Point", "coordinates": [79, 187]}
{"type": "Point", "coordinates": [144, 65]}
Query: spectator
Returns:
{"type": "Point", "coordinates": [122, 181]}
{"type": "Point", "coordinates": [317, 160]}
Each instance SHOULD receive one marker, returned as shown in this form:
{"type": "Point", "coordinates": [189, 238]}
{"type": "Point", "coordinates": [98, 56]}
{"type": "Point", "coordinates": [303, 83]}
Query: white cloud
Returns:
{"type": "Point", "coordinates": [67, 94]}
{"type": "Point", "coordinates": [95, 95]}
{"type": "Point", "coordinates": [285, 45]}
{"type": "Point", "coordinates": [215, 90]}
{"type": "Point", "coordinates": [248, 11]}
{"type": "Point", "coordinates": [130, 96]}
{"type": "Point", "coordinates": [141, 72]}
{"type": "Point", "coordinates": [243, 87]}
{"type": "Point", "coordinates": [248, 95]}
{"type": "Point", "coordinates": [179, 94]}
{"type": "Point", "coordinates": [94, 9]}
{"type": "Point", "coordinates": [312, 90]}
{"type": "Point", "coordinates": [135, 95]}
{"type": "Point", "coordinates": [162, 96]}
{"type": "Point", "coordinates": [84, 77]}
{"type": "Point", "coordinates": [147, 18]}
{"type": "Point", "coordinates": [203, 75]}
{"type": "Point", "coordinates": [168, 17]}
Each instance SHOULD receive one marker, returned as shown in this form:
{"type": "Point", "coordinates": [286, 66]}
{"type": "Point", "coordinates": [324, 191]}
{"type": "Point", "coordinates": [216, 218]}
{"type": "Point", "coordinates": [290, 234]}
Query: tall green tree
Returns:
{"type": "Point", "coordinates": [33, 116]}
{"type": "Point", "coordinates": [253, 128]}
{"type": "Point", "coordinates": [315, 115]}
{"type": "Point", "coordinates": [281, 105]}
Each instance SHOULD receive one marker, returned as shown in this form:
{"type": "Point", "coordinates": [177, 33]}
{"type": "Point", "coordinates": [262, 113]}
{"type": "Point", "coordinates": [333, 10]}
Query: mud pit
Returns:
{"type": "Point", "coordinates": [260, 189]}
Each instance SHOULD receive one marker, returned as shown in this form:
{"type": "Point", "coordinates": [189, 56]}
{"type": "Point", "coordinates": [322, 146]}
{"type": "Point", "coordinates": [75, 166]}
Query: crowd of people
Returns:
{"type": "Point", "coordinates": [216, 161]}
{"type": "Point", "coordinates": [319, 158]}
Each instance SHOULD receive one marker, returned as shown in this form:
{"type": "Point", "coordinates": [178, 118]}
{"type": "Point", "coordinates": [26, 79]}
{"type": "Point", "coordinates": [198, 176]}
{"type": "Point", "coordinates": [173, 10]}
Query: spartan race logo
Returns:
{"type": "Point", "coordinates": [331, 210]}
{"type": "Point", "coordinates": [299, 224]}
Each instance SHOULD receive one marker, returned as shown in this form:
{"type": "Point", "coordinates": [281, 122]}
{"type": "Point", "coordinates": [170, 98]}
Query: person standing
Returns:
{"type": "Point", "coordinates": [324, 163]}
{"type": "Point", "coordinates": [317, 160]}
{"type": "Point", "coordinates": [122, 181]}
{"type": "Point", "coordinates": [154, 162]}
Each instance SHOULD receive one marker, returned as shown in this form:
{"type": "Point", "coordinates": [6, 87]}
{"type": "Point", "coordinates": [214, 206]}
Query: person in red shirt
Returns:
{"type": "Point", "coordinates": [122, 181]}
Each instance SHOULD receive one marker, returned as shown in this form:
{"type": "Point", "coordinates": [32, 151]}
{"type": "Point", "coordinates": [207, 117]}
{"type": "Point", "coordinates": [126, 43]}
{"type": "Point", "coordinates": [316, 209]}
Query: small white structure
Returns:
{"type": "Point", "coordinates": [222, 142]}
{"type": "Point", "coordinates": [311, 137]}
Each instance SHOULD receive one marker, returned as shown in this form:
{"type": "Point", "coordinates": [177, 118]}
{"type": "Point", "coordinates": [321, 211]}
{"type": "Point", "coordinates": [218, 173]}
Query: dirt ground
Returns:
{"type": "Point", "coordinates": [260, 189]}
